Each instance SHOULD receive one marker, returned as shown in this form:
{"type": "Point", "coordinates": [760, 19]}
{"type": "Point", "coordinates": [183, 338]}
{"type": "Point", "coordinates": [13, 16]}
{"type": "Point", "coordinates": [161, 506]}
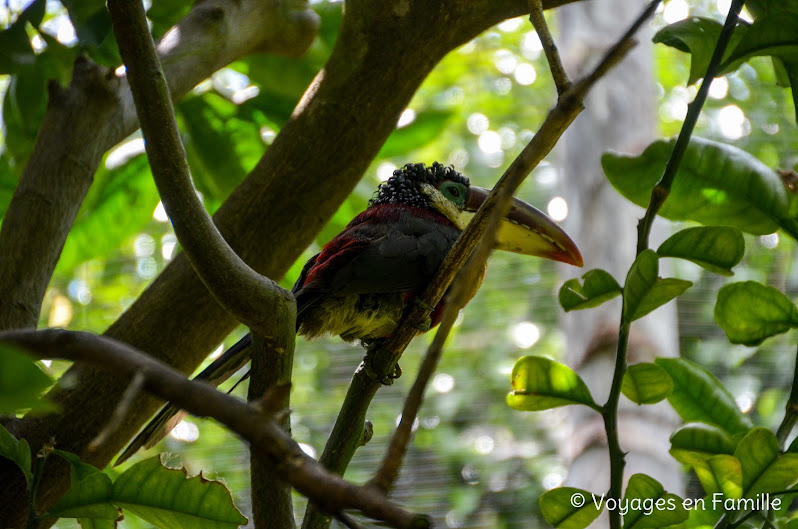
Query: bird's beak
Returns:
{"type": "Point", "coordinates": [527, 230]}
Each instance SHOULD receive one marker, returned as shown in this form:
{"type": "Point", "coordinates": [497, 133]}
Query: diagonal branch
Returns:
{"type": "Point", "coordinates": [263, 432]}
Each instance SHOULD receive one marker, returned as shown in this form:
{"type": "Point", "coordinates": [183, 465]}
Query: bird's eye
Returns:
{"type": "Point", "coordinates": [455, 192]}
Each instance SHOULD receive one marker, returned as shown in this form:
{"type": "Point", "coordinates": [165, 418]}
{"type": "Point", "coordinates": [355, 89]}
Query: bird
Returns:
{"type": "Point", "coordinates": [360, 283]}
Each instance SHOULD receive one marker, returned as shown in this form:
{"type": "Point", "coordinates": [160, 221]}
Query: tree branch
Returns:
{"type": "Point", "coordinates": [549, 47]}
{"type": "Point", "coordinates": [263, 432]}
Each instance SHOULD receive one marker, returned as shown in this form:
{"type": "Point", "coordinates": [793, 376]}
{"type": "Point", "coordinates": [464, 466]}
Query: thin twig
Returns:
{"type": "Point", "coordinates": [549, 47]}
{"type": "Point", "coordinates": [125, 402]}
{"type": "Point", "coordinates": [661, 191]}
{"type": "Point", "coordinates": [292, 465]}
{"type": "Point", "coordinates": [342, 441]}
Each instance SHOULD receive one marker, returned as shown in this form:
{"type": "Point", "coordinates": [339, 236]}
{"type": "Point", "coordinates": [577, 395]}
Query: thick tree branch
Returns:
{"type": "Point", "coordinates": [355, 101]}
{"type": "Point", "coordinates": [262, 431]}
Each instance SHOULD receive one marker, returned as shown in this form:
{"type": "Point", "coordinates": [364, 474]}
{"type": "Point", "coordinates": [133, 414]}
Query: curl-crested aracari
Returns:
{"type": "Point", "coordinates": [358, 286]}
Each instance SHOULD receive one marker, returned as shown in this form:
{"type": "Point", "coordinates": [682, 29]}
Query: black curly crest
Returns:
{"type": "Point", "coordinates": [404, 186]}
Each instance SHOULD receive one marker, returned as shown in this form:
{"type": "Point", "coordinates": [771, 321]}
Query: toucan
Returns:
{"type": "Point", "coordinates": [360, 283]}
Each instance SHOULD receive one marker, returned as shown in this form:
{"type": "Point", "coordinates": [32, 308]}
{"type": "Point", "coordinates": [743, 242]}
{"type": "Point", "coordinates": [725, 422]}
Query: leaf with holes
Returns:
{"type": "Point", "coordinates": [169, 498]}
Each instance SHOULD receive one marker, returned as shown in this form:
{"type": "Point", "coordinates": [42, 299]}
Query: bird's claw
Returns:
{"type": "Point", "coordinates": [370, 372]}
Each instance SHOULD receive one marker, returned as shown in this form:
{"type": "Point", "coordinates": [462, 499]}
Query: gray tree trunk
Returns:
{"type": "Point", "coordinates": [620, 115]}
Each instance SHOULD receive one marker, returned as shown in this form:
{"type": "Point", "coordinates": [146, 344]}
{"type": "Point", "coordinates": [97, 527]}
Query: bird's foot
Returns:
{"type": "Point", "coordinates": [368, 368]}
{"type": "Point", "coordinates": [425, 325]}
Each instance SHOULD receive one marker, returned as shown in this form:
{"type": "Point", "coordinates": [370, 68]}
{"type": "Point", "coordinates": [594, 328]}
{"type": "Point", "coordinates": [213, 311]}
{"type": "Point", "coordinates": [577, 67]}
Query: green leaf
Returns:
{"type": "Point", "coordinates": [17, 451]}
{"type": "Point", "coordinates": [541, 384]}
{"type": "Point", "coordinates": [716, 184]}
{"type": "Point", "coordinates": [427, 126]}
{"type": "Point", "coordinates": [649, 504]}
{"type": "Point", "coordinates": [727, 472]}
{"type": "Point", "coordinates": [89, 495]}
{"type": "Point", "coordinates": [702, 438]}
{"type": "Point", "coordinates": [569, 508]}
{"type": "Point", "coordinates": [169, 498]}
{"type": "Point", "coordinates": [749, 312]}
{"type": "Point", "coordinates": [699, 397]}
{"type": "Point", "coordinates": [597, 287]}
{"type": "Point", "coordinates": [646, 383]}
{"type": "Point", "coordinates": [698, 37]}
{"type": "Point", "coordinates": [762, 8]}
{"type": "Point", "coordinates": [715, 248]}
{"type": "Point", "coordinates": [222, 148]}
{"type": "Point", "coordinates": [120, 202]}
{"type": "Point", "coordinates": [773, 35]}
{"type": "Point", "coordinates": [644, 291]}
{"type": "Point", "coordinates": [764, 470]}
{"type": "Point", "coordinates": [17, 52]}
{"type": "Point", "coordinates": [21, 382]}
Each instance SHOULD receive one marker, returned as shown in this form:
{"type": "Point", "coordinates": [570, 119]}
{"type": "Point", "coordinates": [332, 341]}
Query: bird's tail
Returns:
{"type": "Point", "coordinates": [170, 416]}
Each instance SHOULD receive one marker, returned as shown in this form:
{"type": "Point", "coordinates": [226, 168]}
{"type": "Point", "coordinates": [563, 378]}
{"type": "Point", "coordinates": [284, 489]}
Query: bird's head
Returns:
{"type": "Point", "coordinates": [525, 229]}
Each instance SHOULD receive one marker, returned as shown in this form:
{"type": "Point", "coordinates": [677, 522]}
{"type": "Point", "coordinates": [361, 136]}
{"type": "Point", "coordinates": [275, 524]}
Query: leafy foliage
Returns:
{"type": "Point", "coordinates": [715, 248]}
{"type": "Point", "coordinates": [749, 312]}
{"type": "Point", "coordinates": [597, 287]}
{"type": "Point", "coordinates": [540, 384]}
{"type": "Point", "coordinates": [164, 497]}
{"type": "Point", "coordinates": [716, 184]}
{"type": "Point", "coordinates": [21, 382]}
{"type": "Point", "coordinates": [645, 291]}
{"type": "Point", "coordinates": [699, 396]}
{"type": "Point", "coordinates": [646, 383]}
{"type": "Point", "coordinates": [559, 508]}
